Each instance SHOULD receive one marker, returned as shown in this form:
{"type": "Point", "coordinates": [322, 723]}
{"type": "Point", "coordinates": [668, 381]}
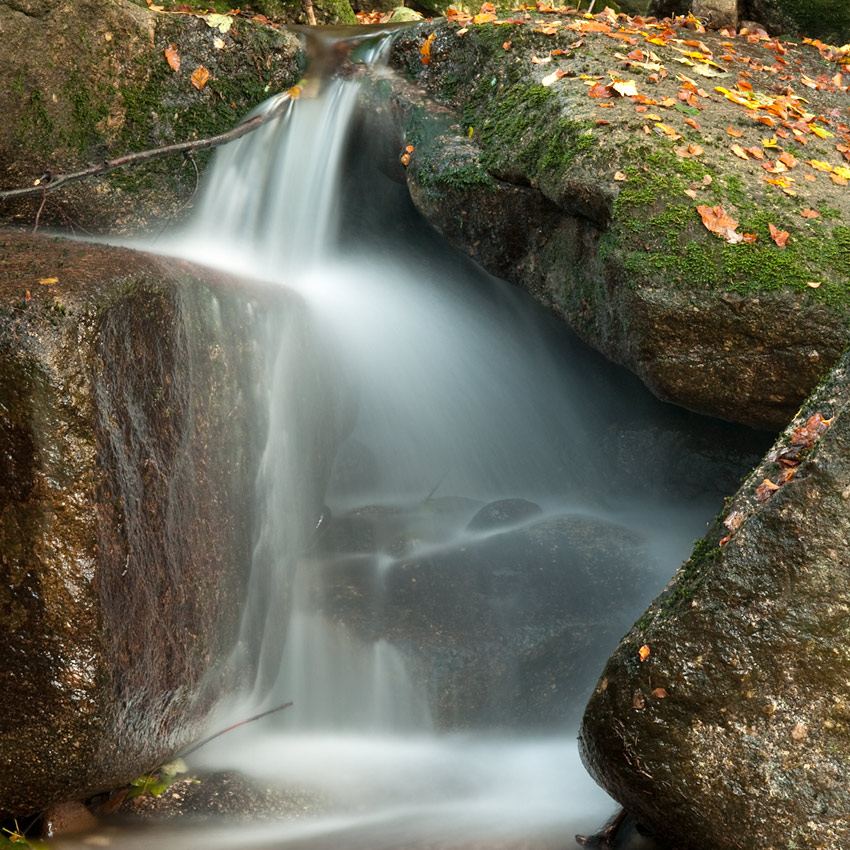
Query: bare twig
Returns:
{"type": "Point", "coordinates": [234, 726]}
{"type": "Point", "coordinates": [41, 207]}
{"type": "Point", "coordinates": [56, 181]}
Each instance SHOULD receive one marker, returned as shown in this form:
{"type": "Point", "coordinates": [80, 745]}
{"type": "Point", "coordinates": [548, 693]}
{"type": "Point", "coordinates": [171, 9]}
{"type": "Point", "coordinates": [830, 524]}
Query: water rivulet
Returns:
{"type": "Point", "coordinates": [501, 509]}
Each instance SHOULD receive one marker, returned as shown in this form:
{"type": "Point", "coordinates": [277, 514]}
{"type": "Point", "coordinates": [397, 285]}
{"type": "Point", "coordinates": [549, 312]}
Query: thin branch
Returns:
{"type": "Point", "coordinates": [55, 181]}
{"type": "Point", "coordinates": [234, 726]}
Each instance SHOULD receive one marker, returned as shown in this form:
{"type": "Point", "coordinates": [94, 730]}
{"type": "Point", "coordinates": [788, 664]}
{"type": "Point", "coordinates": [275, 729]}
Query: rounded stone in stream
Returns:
{"type": "Point", "coordinates": [507, 628]}
{"type": "Point", "coordinates": [504, 512]}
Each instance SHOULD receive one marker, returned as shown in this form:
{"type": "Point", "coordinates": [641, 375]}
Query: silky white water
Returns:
{"type": "Point", "coordinates": [453, 386]}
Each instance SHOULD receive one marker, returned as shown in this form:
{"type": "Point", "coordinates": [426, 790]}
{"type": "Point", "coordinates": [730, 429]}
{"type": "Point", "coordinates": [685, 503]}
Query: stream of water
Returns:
{"type": "Point", "coordinates": [460, 392]}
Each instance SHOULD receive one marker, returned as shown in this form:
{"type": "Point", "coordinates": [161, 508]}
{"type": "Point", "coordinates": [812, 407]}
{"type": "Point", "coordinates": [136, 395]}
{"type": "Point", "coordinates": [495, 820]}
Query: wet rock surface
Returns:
{"type": "Point", "coordinates": [591, 206]}
{"type": "Point", "coordinates": [723, 713]}
{"type": "Point", "coordinates": [131, 428]}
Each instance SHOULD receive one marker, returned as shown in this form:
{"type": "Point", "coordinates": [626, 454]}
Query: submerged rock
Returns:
{"type": "Point", "coordinates": [725, 712]}
{"type": "Point", "coordinates": [591, 200]}
{"type": "Point", "coordinates": [131, 424]}
{"type": "Point", "coordinates": [503, 628]}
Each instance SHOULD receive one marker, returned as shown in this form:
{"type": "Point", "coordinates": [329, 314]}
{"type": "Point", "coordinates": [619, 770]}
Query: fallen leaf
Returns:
{"type": "Point", "coordinates": [765, 490]}
{"type": "Point", "coordinates": [200, 77]}
{"type": "Point", "coordinates": [506, 45]}
{"type": "Point", "coordinates": [660, 693]}
{"type": "Point", "coordinates": [696, 150]}
{"type": "Point", "coordinates": [541, 61]}
{"type": "Point", "coordinates": [733, 132]}
{"type": "Point", "coordinates": [807, 213]}
{"type": "Point", "coordinates": [780, 237]}
{"type": "Point", "coordinates": [818, 164]}
{"type": "Point", "coordinates": [719, 222]}
{"type": "Point", "coordinates": [638, 700]}
{"type": "Point", "coordinates": [619, 176]}
{"type": "Point", "coordinates": [739, 152]}
{"type": "Point", "coordinates": [405, 159]}
{"type": "Point", "coordinates": [553, 77]}
{"type": "Point", "coordinates": [643, 652]}
{"type": "Point", "coordinates": [221, 22]}
{"type": "Point", "coordinates": [734, 520]}
{"type": "Point", "coordinates": [806, 435]}
{"type": "Point", "coordinates": [425, 50]}
{"type": "Point", "coordinates": [48, 280]}
{"type": "Point", "coordinates": [819, 131]}
{"type": "Point", "coordinates": [755, 152]}
{"type": "Point", "coordinates": [788, 159]}
{"type": "Point", "coordinates": [691, 193]}
{"type": "Point", "coordinates": [813, 283]}
{"type": "Point", "coordinates": [172, 57]}
{"type": "Point", "coordinates": [624, 88]}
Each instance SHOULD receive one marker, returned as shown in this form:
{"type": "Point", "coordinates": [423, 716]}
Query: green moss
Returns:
{"type": "Point", "coordinates": [89, 108]}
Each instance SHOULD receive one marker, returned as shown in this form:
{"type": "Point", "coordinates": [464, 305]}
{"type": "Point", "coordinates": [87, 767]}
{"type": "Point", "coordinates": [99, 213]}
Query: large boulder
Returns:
{"type": "Point", "coordinates": [723, 718]}
{"type": "Point", "coordinates": [828, 20]}
{"type": "Point", "coordinates": [591, 200]}
{"type": "Point", "coordinates": [88, 81]}
{"type": "Point", "coordinates": [131, 423]}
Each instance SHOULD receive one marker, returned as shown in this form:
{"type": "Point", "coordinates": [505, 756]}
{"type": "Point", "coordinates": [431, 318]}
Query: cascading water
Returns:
{"type": "Point", "coordinates": [403, 619]}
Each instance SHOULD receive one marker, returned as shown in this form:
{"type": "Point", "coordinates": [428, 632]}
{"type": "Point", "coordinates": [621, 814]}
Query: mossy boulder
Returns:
{"type": "Point", "coordinates": [131, 424]}
{"type": "Point", "coordinates": [723, 718]}
{"type": "Point", "coordinates": [526, 158]}
{"type": "Point", "coordinates": [87, 81]}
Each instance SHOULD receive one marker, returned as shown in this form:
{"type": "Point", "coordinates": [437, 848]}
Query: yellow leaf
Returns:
{"type": "Point", "coordinates": [625, 88]}
{"type": "Point", "coordinates": [819, 131]}
{"type": "Point", "coordinates": [619, 176]}
{"type": "Point", "coordinates": [820, 165]}
{"type": "Point", "coordinates": [200, 77]}
{"type": "Point", "coordinates": [48, 280]}
{"type": "Point", "coordinates": [841, 171]}
{"type": "Point", "coordinates": [813, 283]}
{"type": "Point", "coordinates": [220, 22]}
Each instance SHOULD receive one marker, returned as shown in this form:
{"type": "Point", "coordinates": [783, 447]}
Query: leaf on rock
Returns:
{"type": "Point", "coordinates": [172, 57]}
{"type": "Point", "coordinates": [780, 237]}
{"type": "Point", "coordinates": [807, 213]}
{"type": "Point", "coordinates": [221, 22]}
{"type": "Point", "coordinates": [624, 88]}
{"type": "Point", "coordinates": [643, 652]}
{"type": "Point", "coordinates": [765, 490]}
{"type": "Point", "coordinates": [733, 132]}
{"type": "Point", "coordinates": [425, 50]}
{"type": "Point", "coordinates": [660, 693]}
{"type": "Point", "coordinates": [549, 79]}
{"type": "Point", "coordinates": [719, 222]}
{"type": "Point", "coordinates": [739, 152]}
{"type": "Point", "coordinates": [200, 77]}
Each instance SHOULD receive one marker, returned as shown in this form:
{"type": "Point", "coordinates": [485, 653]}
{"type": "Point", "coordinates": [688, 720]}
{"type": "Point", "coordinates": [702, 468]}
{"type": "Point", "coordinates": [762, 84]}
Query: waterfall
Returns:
{"type": "Point", "coordinates": [457, 393]}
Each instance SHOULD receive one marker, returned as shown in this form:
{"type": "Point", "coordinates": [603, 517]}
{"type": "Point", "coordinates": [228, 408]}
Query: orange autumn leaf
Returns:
{"type": "Point", "coordinates": [719, 222]}
{"type": "Point", "coordinates": [425, 50]}
{"type": "Point", "coordinates": [788, 159]}
{"type": "Point", "coordinates": [755, 152]}
{"type": "Point", "coordinates": [733, 132]}
{"type": "Point", "coordinates": [506, 45]}
{"type": "Point", "coordinates": [643, 652]}
{"type": "Point", "coordinates": [172, 57]}
{"type": "Point", "coordinates": [660, 693]}
{"type": "Point", "coordinates": [692, 123]}
{"type": "Point", "coordinates": [200, 77]}
{"type": "Point", "coordinates": [780, 237]}
{"type": "Point", "coordinates": [807, 213]}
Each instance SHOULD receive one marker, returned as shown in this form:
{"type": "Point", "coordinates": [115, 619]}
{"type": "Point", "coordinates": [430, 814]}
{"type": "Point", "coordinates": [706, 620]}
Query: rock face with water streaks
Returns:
{"type": "Point", "coordinates": [723, 718]}
{"type": "Point", "coordinates": [130, 429]}
{"type": "Point", "coordinates": [589, 200]}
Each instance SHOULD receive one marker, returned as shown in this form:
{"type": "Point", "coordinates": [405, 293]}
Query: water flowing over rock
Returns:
{"type": "Point", "coordinates": [131, 423]}
{"type": "Point", "coordinates": [500, 627]}
{"type": "Point", "coordinates": [723, 718]}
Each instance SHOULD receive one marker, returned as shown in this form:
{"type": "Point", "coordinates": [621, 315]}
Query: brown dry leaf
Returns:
{"type": "Point", "coordinates": [696, 150]}
{"type": "Point", "coordinates": [660, 693]}
{"type": "Point", "coordinates": [717, 221]}
{"type": "Point", "coordinates": [807, 213]}
{"type": "Point", "coordinates": [691, 193]}
{"type": "Point", "coordinates": [643, 652]}
{"type": "Point", "coordinates": [638, 700]}
{"type": "Point", "coordinates": [619, 176]}
{"type": "Point", "coordinates": [172, 57]}
{"type": "Point", "coordinates": [682, 152]}
{"type": "Point", "coordinates": [780, 237]}
{"type": "Point", "coordinates": [200, 77]}
{"type": "Point", "coordinates": [506, 45]}
{"type": "Point", "coordinates": [806, 435]}
{"type": "Point", "coordinates": [734, 520]}
{"type": "Point", "coordinates": [733, 132]}
{"type": "Point", "coordinates": [765, 490]}
{"type": "Point", "coordinates": [739, 152]}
